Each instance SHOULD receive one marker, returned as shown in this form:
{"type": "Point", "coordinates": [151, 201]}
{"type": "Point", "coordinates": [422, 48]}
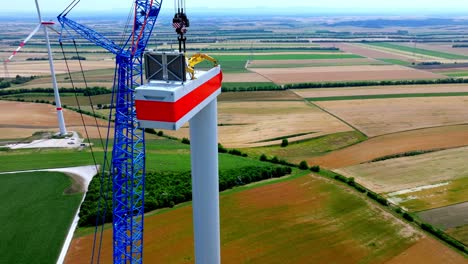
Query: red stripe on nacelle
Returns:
{"type": "Point", "coordinates": [173, 112]}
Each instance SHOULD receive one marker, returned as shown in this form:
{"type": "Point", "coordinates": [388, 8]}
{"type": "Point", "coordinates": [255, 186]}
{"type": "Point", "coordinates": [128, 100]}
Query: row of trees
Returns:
{"type": "Point", "coordinates": [96, 90]}
{"type": "Point", "coordinates": [372, 83]}
{"type": "Point", "coordinates": [4, 83]}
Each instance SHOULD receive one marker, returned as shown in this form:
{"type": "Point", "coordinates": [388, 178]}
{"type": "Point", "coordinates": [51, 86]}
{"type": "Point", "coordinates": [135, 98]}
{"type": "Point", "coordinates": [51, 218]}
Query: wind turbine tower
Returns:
{"type": "Point", "coordinates": [44, 25]}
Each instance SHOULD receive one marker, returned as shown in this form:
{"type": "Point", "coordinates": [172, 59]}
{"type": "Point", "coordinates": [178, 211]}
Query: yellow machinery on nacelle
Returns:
{"type": "Point", "coordinates": [196, 59]}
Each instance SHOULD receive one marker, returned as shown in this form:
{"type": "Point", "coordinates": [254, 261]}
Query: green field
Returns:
{"type": "Point", "coordinates": [161, 155]}
{"type": "Point", "coordinates": [231, 85]}
{"type": "Point", "coordinates": [431, 53]}
{"type": "Point", "coordinates": [456, 74]}
{"type": "Point", "coordinates": [302, 150]}
{"type": "Point", "coordinates": [396, 62]}
{"type": "Point", "coordinates": [236, 63]}
{"type": "Point", "coordinates": [384, 96]}
{"type": "Point", "coordinates": [35, 216]}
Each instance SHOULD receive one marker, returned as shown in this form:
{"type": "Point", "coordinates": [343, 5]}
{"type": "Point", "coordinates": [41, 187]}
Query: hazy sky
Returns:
{"type": "Point", "coordinates": [351, 5]}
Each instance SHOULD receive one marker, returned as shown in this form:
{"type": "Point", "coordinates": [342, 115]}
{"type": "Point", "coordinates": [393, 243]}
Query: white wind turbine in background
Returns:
{"type": "Point", "coordinates": [44, 25]}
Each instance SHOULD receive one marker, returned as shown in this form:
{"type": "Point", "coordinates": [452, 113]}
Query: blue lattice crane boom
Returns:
{"type": "Point", "coordinates": [128, 154]}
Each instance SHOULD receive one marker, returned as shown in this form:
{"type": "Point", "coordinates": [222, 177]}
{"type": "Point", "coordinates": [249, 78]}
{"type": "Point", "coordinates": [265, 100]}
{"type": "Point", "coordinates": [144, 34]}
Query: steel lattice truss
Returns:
{"type": "Point", "coordinates": [128, 154]}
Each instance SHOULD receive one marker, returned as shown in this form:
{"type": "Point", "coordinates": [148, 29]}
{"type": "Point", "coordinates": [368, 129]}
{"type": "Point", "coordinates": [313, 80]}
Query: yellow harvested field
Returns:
{"type": "Point", "coordinates": [36, 68]}
{"type": "Point", "coordinates": [376, 117]}
{"type": "Point", "coordinates": [376, 90]}
{"type": "Point", "coordinates": [409, 172]}
{"type": "Point", "coordinates": [343, 73]}
{"type": "Point", "coordinates": [21, 120]}
{"type": "Point", "coordinates": [247, 124]}
{"type": "Point", "coordinates": [244, 77]}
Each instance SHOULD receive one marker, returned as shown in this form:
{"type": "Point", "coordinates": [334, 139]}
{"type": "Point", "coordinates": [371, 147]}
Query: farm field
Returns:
{"type": "Point", "coordinates": [445, 47]}
{"type": "Point", "coordinates": [302, 208]}
{"type": "Point", "coordinates": [253, 124]}
{"type": "Point", "coordinates": [285, 95]}
{"type": "Point", "coordinates": [432, 196]}
{"type": "Point", "coordinates": [343, 73]}
{"type": "Point", "coordinates": [460, 233]}
{"type": "Point", "coordinates": [426, 251]}
{"type": "Point", "coordinates": [365, 51]}
{"type": "Point", "coordinates": [250, 77]}
{"type": "Point", "coordinates": [28, 118]}
{"type": "Point", "coordinates": [101, 77]}
{"type": "Point", "coordinates": [311, 63]}
{"type": "Point", "coordinates": [377, 147]}
{"type": "Point", "coordinates": [43, 207]}
{"type": "Point", "coordinates": [34, 68]}
{"type": "Point", "coordinates": [447, 217]}
{"type": "Point", "coordinates": [409, 172]}
{"type": "Point", "coordinates": [376, 117]}
{"type": "Point", "coordinates": [381, 90]}
{"type": "Point", "coordinates": [420, 51]}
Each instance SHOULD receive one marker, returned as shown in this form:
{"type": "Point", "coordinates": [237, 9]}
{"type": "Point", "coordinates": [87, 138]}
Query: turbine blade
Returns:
{"type": "Point", "coordinates": [24, 42]}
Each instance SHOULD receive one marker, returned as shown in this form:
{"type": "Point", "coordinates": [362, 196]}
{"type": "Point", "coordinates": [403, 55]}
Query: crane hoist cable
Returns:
{"type": "Point", "coordinates": [180, 22]}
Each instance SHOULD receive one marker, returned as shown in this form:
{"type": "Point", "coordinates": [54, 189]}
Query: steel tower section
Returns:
{"type": "Point", "coordinates": [128, 154]}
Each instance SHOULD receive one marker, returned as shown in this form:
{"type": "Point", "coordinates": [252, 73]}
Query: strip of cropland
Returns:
{"type": "Point", "coordinates": [431, 53]}
{"type": "Point", "coordinates": [36, 213]}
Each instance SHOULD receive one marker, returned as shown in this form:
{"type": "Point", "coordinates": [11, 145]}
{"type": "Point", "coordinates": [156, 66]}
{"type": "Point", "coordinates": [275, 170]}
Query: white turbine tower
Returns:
{"type": "Point", "coordinates": [44, 25]}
